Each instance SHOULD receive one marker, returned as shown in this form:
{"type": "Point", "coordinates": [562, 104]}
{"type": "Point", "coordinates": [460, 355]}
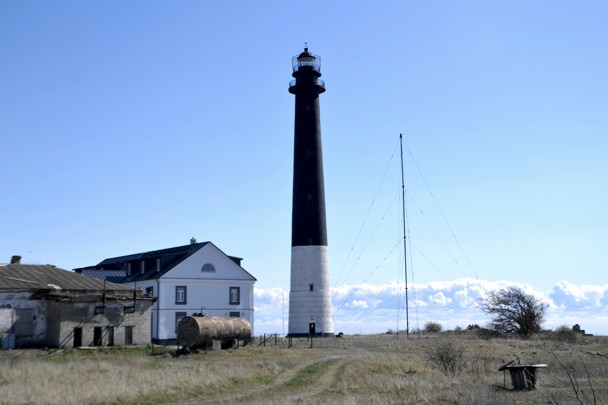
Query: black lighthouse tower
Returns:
{"type": "Point", "coordinates": [310, 296]}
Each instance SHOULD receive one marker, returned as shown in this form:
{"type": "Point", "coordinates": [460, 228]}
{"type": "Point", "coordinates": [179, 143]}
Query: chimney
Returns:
{"type": "Point", "coordinates": [16, 259]}
{"type": "Point", "coordinates": [193, 241]}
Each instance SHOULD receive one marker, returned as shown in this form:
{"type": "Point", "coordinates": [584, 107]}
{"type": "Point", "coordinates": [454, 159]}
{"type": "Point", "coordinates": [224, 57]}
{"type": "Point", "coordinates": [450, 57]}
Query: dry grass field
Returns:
{"type": "Point", "coordinates": [382, 369]}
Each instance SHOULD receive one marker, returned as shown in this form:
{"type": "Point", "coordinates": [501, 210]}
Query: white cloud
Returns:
{"type": "Point", "coordinates": [360, 304]}
{"type": "Point", "coordinates": [568, 295]}
{"type": "Point", "coordinates": [440, 298]}
{"type": "Point", "coordinates": [369, 308]}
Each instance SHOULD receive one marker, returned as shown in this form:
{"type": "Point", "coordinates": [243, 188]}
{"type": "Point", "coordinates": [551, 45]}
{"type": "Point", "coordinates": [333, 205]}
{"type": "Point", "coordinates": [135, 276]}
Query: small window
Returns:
{"type": "Point", "coordinates": [142, 267]}
{"type": "Point", "coordinates": [180, 294]}
{"type": "Point", "coordinates": [235, 295]}
{"type": "Point", "coordinates": [235, 314]}
{"type": "Point", "coordinates": [178, 317]}
{"type": "Point", "coordinates": [312, 287]}
{"type": "Point", "coordinates": [208, 268]}
{"type": "Point", "coordinates": [128, 269]}
{"type": "Point", "coordinates": [150, 291]}
{"type": "Point", "coordinates": [158, 264]}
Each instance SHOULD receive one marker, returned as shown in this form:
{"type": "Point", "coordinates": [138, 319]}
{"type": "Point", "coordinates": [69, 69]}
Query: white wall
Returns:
{"type": "Point", "coordinates": [212, 297]}
{"type": "Point", "coordinates": [208, 292]}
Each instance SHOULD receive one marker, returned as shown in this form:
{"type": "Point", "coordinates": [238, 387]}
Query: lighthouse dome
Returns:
{"type": "Point", "coordinates": [306, 54]}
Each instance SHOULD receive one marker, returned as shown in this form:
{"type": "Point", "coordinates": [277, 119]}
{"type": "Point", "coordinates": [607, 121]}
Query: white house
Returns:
{"type": "Point", "coordinates": [195, 278]}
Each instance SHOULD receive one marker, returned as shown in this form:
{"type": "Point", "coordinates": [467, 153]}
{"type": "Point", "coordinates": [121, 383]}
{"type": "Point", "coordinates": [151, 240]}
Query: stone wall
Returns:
{"type": "Point", "coordinates": [116, 327]}
{"type": "Point", "coordinates": [54, 323]}
{"type": "Point", "coordinates": [24, 318]}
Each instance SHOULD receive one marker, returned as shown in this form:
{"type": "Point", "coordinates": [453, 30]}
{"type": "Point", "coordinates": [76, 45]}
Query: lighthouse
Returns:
{"type": "Point", "coordinates": [310, 310]}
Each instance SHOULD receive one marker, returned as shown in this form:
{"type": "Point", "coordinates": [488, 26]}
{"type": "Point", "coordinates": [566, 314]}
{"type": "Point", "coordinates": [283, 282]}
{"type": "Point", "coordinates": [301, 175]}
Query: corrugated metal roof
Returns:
{"type": "Point", "coordinates": [115, 276]}
{"type": "Point", "coordinates": [47, 277]}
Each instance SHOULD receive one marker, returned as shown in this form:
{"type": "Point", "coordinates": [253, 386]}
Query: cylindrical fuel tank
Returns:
{"type": "Point", "coordinates": [200, 331]}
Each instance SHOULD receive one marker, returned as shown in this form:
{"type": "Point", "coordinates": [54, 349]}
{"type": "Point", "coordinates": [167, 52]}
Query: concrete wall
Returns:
{"type": "Point", "coordinates": [42, 323]}
{"type": "Point", "coordinates": [113, 321]}
{"type": "Point", "coordinates": [23, 317]}
{"type": "Point", "coordinates": [310, 294]}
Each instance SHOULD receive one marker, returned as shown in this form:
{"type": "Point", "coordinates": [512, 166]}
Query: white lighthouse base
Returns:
{"type": "Point", "coordinates": [310, 292]}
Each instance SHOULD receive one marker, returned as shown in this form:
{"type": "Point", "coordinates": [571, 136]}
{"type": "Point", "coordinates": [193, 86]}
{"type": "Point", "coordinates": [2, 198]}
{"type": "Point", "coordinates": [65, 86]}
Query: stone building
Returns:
{"type": "Point", "coordinates": [44, 306]}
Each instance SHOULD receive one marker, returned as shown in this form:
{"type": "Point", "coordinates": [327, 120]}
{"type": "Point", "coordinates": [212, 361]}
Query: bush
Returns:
{"type": "Point", "coordinates": [486, 334]}
{"type": "Point", "coordinates": [432, 327]}
{"type": "Point", "coordinates": [565, 334]}
{"type": "Point", "coordinates": [448, 358]}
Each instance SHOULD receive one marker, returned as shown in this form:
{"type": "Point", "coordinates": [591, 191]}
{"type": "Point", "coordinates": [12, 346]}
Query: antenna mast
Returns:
{"type": "Point", "coordinates": [407, 316]}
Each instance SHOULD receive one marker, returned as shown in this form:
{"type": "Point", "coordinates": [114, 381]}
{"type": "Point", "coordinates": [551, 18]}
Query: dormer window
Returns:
{"type": "Point", "coordinates": [128, 269]}
{"type": "Point", "coordinates": [142, 267]}
{"type": "Point", "coordinates": [158, 264]}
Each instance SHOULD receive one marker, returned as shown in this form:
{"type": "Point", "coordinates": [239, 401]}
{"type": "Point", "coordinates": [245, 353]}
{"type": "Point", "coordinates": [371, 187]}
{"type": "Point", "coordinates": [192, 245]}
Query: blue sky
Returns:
{"type": "Point", "coordinates": [134, 126]}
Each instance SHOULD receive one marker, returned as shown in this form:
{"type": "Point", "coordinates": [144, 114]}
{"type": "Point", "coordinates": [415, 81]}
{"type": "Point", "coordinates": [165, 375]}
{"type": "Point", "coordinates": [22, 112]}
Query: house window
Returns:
{"type": "Point", "coordinates": [128, 269]}
{"type": "Point", "coordinates": [312, 287]}
{"type": "Point", "coordinates": [208, 268]}
{"type": "Point", "coordinates": [178, 317]}
{"type": "Point", "coordinates": [158, 264]}
{"type": "Point", "coordinates": [150, 291]}
{"type": "Point", "coordinates": [235, 314]}
{"type": "Point", "coordinates": [180, 294]}
{"type": "Point", "coordinates": [235, 295]}
{"type": "Point", "coordinates": [142, 267]}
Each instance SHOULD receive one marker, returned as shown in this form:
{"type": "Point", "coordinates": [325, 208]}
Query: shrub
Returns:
{"type": "Point", "coordinates": [448, 358]}
{"type": "Point", "coordinates": [432, 327]}
{"type": "Point", "coordinates": [565, 334]}
{"type": "Point", "coordinates": [486, 334]}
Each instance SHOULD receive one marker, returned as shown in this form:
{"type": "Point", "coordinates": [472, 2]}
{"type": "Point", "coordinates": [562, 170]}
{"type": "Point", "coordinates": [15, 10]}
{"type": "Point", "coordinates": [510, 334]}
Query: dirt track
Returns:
{"type": "Point", "coordinates": [307, 379]}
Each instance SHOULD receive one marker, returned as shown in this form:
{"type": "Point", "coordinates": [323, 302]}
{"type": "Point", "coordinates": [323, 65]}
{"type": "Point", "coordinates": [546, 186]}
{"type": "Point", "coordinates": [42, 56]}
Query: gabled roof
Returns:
{"type": "Point", "coordinates": [165, 259]}
{"type": "Point", "coordinates": [28, 277]}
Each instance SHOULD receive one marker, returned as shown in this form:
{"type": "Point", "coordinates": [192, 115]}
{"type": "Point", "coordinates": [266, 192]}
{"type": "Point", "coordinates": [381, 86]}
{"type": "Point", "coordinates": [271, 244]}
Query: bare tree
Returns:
{"type": "Point", "coordinates": [514, 311]}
